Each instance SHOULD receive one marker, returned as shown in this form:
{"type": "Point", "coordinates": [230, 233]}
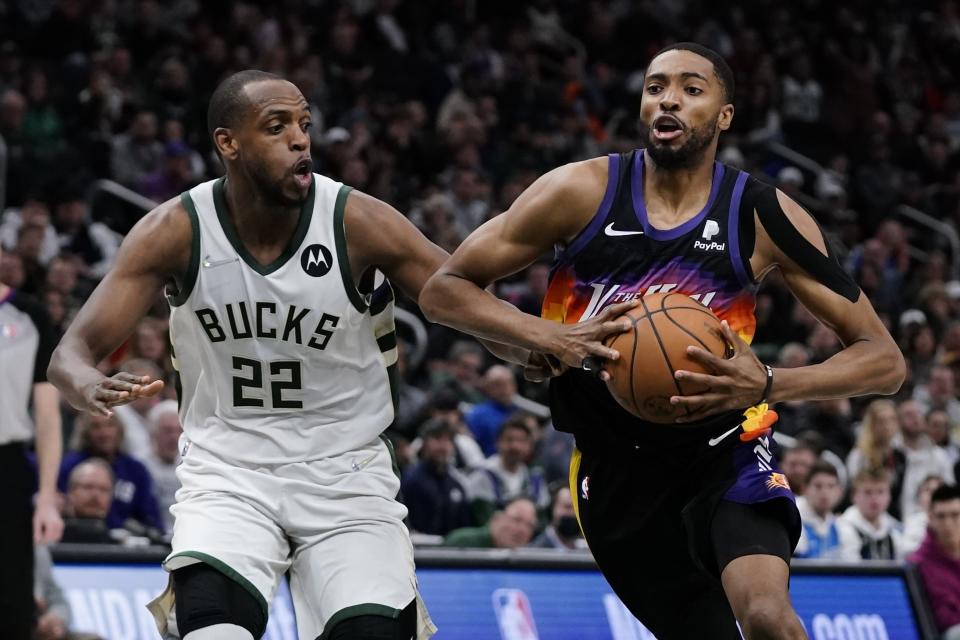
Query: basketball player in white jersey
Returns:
{"type": "Point", "coordinates": [283, 337]}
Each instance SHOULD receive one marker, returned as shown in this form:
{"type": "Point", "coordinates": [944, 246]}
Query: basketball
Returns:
{"type": "Point", "coordinates": [663, 326]}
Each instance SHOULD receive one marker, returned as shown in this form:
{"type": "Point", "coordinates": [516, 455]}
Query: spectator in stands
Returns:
{"type": "Point", "coordinates": [796, 464]}
{"type": "Point", "coordinates": [939, 392]}
{"type": "Point", "coordinates": [94, 242]}
{"type": "Point", "coordinates": [924, 458]}
{"type": "Point", "coordinates": [34, 212]}
{"type": "Point", "coordinates": [485, 419]}
{"type": "Point", "coordinates": [938, 560]}
{"type": "Point", "coordinates": [102, 436]}
{"type": "Point", "coordinates": [137, 153]}
{"type": "Point", "coordinates": [89, 499]}
{"type": "Point", "coordinates": [411, 399]}
{"type": "Point", "coordinates": [461, 371]}
{"type": "Point", "coordinates": [150, 342]}
{"type": "Point", "coordinates": [821, 536]}
{"type": "Point", "coordinates": [563, 533]}
{"type": "Point", "coordinates": [445, 404]}
{"type": "Point", "coordinates": [175, 175]}
{"type": "Point", "coordinates": [915, 525]}
{"type": "Point", "coordinates": [509, 528]}
{"type": "Point", "coordinates": [137, 437]}
{"type": "Point", "coordinates": [506, 474]}
{"type": "Point", "coordinates": [163, 421]}
{"type": "Point", "coordinates": [433, 490]}
{"type": "Point", "coordinates": [876, 446]}
{"type": "Point", "coordinates": [880, 534]}
{"type": "Point", "coordinates": [942, 431]}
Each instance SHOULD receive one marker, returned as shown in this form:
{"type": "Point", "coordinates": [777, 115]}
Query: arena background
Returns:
{"type": "Point", "coordinates": [448, 110]}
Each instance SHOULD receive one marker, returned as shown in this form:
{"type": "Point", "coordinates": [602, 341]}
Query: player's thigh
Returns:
{"type": "Point", "coordinates": [752, 545]}
{"type": "Point", "coordinates": [228, 534]}
{"type": "Point", "coordinates": [633, 524]}
{"type": "Point", "coordinates": [363, 568]}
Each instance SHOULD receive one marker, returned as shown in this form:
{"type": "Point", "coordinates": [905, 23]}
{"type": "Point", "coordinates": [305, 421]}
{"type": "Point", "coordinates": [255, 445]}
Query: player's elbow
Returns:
{"type": "Point", "coordinates": [894, 369]}
{"type": "Point", "coordinates": [432, 296]}
{"type": "Point", "coordinates": [54, 368]}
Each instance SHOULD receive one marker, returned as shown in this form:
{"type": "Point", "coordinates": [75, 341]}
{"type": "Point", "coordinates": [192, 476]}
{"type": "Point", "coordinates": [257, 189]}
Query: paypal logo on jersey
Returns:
{"type": "Point", "coordinates": [710, 229]}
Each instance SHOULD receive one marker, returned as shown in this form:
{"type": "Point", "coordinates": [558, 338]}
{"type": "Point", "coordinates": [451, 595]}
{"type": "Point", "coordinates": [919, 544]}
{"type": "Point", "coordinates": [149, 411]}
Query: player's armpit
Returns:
{"type": "Point", "coordinates": [157, 251]}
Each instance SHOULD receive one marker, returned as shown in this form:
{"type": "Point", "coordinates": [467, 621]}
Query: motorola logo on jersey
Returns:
{"type": "Point", "coordinates": [316, 260]}
{"type": "Point", "coordinates": [710, 229]}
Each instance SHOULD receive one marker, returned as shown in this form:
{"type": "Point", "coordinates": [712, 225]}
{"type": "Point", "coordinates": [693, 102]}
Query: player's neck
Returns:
{"type": "Point", "coordinates": [255, 217]}
{"type": "Point", "coordinates": [675, 195]}
{"type": "Point", "coordinates": [4, 291]}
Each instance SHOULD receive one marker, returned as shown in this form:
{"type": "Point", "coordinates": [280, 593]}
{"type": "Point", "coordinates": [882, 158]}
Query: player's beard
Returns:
{"type": "Point", "coordinates": [269, 188]}
{"type": "Point", "coordinates": [687, 155]}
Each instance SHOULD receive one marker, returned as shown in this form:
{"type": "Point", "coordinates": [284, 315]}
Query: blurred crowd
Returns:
{"type": "Point", "coordinates": [448, 110]}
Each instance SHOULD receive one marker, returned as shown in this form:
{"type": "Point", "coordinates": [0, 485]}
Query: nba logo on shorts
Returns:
{"type": "Point", "coordinates": [514, 615]}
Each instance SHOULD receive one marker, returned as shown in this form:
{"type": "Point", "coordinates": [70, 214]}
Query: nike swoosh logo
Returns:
{"type": "Point", "coordinates": [207, 263]}
{"type": "Point", "coordinates": [610, 231]}
{"type": "Point", "coordinates": [715, 441]}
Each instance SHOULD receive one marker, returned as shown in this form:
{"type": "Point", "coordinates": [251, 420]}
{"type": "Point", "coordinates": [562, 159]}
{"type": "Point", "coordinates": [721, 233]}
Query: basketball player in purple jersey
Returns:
{"type": "Point", "coordinates": [692, 526]}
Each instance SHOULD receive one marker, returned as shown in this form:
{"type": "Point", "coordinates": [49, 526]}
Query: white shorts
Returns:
{"type": "Point", "coordinates": [334, 523]}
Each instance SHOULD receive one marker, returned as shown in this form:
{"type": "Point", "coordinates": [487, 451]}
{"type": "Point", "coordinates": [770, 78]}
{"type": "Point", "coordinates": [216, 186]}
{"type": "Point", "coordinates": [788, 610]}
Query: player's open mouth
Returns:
{"type": "Point", "coordinates": [667, 128]}
{"type": "Point", "coordinates": [303, 172]}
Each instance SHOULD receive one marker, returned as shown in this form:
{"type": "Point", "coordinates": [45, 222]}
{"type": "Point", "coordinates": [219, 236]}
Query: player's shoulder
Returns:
{"type": "Point", "coordinates": [164, 237]}
{"type": "Point", "coordinates": [576, 186]}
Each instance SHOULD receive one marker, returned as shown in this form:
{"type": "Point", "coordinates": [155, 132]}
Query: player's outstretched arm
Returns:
{"type": "Point", "coordinates": [551, 211]}
{"type": "Point", "coordinates": [787, 237]}
{"type": "Point", "coordinates": [155, 252]}
{"type": "Point", "coordinates": [379, 236]}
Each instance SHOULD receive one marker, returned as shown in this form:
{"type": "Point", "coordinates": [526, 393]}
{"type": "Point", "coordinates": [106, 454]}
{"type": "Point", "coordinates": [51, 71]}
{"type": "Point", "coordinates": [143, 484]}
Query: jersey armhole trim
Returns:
{"type": "Point", "coordinates": [741, 263]}
{"type": "Point", "coordinates": [193, 267]}
{"type": "Point", "coordinates": [340, 238]}
{"type": "Point", "coordinates": [588, 232]}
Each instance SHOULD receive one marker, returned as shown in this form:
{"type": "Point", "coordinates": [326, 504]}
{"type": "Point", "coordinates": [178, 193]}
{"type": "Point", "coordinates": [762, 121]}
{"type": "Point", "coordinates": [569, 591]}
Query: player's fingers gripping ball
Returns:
{"type": "Point", "coordinates": [655, 347]}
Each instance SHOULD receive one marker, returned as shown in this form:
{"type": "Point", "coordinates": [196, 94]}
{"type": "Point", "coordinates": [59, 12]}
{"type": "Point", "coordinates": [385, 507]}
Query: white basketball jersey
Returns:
{"type": "Point", "coordinates": [283, 362]}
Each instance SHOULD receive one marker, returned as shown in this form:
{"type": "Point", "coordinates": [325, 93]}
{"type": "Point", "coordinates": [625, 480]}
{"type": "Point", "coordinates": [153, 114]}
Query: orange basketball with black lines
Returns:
{"type": "Point", "coordinates": [663, 325]}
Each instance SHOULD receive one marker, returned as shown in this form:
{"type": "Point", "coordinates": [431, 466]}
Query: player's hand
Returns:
{"type": "Point", "coordinates": [542, 366]}
{"type": "Point", "coordinates": [47, 523]}
{"type": "Point", "coordinates": [739, 381]}
{"type": "Point", "coordinates": [51, 627]}
{"type": "Point", "coordinates": [581, 345]}
{"type": "Point", "coordinates": [122, 388]}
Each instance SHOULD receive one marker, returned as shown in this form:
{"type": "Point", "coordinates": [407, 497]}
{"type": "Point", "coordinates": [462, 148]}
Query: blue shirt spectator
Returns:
{"type": "Point", "coordinates": [101, 436]}
{"type": "Point", "coordinates": [485, 418]}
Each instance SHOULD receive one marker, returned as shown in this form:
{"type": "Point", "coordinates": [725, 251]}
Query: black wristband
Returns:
{"type": "Point", "coordinates": [766, 389]}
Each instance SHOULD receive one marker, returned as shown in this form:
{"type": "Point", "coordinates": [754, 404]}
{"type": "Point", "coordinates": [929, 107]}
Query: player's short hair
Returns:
{"type": "Point", "coordinates": [721, 69]}
{"type": "Point", "coordinates": [821, 467]}
{"type": "Point", "coordinates": [871, 474]}
{"type": "Point", "coordinates": [945, 493]}
{"type": "Point", "coordinates": [229, 101]}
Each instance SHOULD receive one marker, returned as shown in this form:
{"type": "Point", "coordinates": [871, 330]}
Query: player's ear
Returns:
{"type": "Point", "coordinates": [725, 119]}
{"type": "Point", "coordinates": [226, 143]}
